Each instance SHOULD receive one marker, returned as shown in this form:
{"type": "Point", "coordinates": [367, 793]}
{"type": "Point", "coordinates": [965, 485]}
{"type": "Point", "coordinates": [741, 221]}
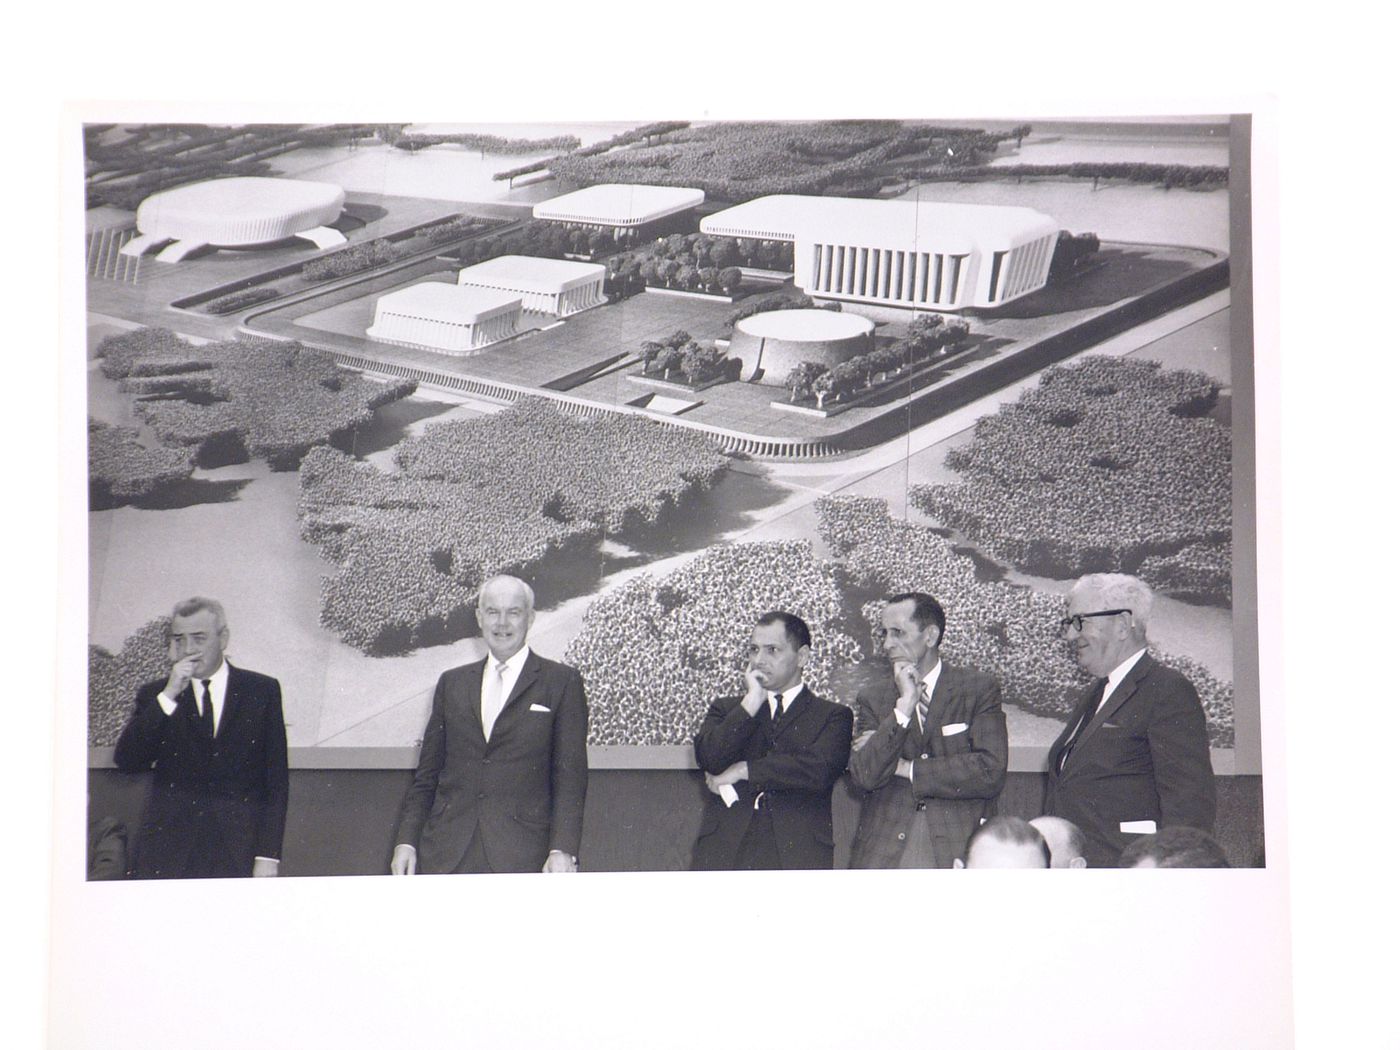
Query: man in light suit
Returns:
{"type": "Point", "coordinates": [930, 748]}
{"type": "Point", "coordinates": [771, 759]}
{"type": "Point", "coordinates": [215, 736]}
{"type": "Point", "coordinates": [1135, 754]}
{"type": "Point", "coordinates": [503, 769]}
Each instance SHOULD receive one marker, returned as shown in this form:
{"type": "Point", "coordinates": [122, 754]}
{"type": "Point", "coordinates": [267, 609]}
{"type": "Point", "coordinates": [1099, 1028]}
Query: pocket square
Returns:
{"type": "Point", "coordinates": [1138, 827]}
{"type": "Point", "coordinates": [954, 728]}
{"type": "Point", "coordinates": [539, 707]}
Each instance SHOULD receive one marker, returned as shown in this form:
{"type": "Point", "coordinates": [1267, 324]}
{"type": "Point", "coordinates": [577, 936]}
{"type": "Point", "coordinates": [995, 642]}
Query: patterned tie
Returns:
{"type": "Point", "coordinates": [922, 706]}
{"type": "Point", "coordinates": [206, 713]}
{"type": "Point", "coordinates": [491, 698]}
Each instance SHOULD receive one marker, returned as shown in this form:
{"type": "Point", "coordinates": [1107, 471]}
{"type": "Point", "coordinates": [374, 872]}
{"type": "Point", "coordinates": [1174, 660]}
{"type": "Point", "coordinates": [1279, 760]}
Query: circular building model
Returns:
{"type": "Point", "coordinates": [236, 213]}
{"type": "Point", "coordinates": [772, 344]}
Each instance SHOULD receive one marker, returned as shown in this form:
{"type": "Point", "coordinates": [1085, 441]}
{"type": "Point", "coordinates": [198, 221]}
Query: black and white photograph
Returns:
{"type": "Point", "coordinates": [764, 515]}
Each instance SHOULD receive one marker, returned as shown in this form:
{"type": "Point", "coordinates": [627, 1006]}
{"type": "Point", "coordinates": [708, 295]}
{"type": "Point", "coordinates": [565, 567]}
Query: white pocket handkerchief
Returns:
{"type": "Point", "coordinates": [539, 707]}
{"type": "Point", "coordinates": [1138, 827]}
{"type": "Point", "coordinates": [954, 728]}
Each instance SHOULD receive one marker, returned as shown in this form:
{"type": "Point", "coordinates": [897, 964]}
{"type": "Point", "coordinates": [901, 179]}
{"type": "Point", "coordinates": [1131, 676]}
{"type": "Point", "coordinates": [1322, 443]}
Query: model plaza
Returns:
{"type": "Point", "coordinates": [912, 254]}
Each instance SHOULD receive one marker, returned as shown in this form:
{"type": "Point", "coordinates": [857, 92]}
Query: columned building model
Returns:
{"type": "Point", "coordinates": [236, 213]}
{"type": "Point", "coordinates": [623, 209]}
{"type": "Point", "coordinates": [555, 287]}
{"type": "Point", "coordinates": [447, 318]}
{"type": "Point", "coordinates": [770, 345]}
{"type": "Point", "coordinates": [921, 255]}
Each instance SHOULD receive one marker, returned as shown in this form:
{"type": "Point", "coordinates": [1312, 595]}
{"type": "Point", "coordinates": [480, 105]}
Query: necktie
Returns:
{"type": "Point", "coordinates": [206, 714]}
{"type": "Point", "coordinates": [492, 698]}
{"type": "Point", "coordinates": [922, 706]}
{"type": "Point", "coordinates": [1093, 708]}
{"type": "Point", "coordinates": [777, 707]}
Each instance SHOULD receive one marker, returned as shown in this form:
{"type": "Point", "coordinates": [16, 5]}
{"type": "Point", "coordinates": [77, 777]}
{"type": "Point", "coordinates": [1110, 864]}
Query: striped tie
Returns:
{"type": "Point", "coordinates": [922, 705]}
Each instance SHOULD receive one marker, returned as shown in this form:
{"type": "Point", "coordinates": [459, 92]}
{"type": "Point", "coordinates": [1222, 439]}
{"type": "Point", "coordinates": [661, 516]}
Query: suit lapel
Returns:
{"type": "Point", "coordinates": [1081, 711]}
{"type": "Point", "coordinates": [232, 700]}
{"type": "Point", "coordinates": [526, 678]}
{"type": "Point", "coordinates": [938, 705]}
{"type": "Point", "coordinates": [471, 698]}
{"type": "Point", "coordinates": [791, 713]}
{"type": "Point", "coordinates": [1126, 688]}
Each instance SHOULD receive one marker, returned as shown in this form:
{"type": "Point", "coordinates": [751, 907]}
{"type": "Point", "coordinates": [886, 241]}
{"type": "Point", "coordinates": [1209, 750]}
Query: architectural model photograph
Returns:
{"type": "Point", "coordinates": [670, 496]}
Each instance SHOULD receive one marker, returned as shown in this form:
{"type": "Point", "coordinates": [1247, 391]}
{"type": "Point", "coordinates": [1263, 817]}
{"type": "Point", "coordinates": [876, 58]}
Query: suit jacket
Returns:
{"type": "Point", "coordinates": [215, 804]}
{"type": "Point", "coordinates": [957, 775]}
{"type": "Point", "coordinates": [795, 764]}
{"type": "Point", "coordinates": [1144, 756]}
{"type": "Point", "coordinates": [522, 791]}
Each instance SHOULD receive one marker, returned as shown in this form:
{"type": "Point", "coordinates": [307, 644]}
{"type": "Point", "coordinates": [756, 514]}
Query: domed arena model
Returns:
{"type": "Point", "coordinates": [770, 345]}
{"type": "Point", "coordinates": [236, 213]}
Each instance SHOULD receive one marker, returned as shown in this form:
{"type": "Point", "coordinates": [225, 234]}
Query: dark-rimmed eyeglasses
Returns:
{"type": "Point", "coordinates": [1077, 622]}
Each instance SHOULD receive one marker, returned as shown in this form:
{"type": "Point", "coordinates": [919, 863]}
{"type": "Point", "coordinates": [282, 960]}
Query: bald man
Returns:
{"type": "Point", "coordinates": [503, 768]}
{"type": "Point", "coordinates": [1066, 841]}
{"type": "Point", "coordinates": [1006, 842]}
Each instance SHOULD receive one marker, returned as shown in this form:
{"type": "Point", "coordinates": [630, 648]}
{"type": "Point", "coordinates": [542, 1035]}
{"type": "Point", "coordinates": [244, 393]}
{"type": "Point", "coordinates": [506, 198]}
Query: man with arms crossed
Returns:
{"type": "Point", "coordinates": [215, 735]}
{"type": "Point", "coordinates": [503, 769]}
{"type": "Point", "coordinates": [771, 758]}
{"type": "Point", "coordinates": [1135, 755]}
{"type": "Point", "coordinates": [930, 750]}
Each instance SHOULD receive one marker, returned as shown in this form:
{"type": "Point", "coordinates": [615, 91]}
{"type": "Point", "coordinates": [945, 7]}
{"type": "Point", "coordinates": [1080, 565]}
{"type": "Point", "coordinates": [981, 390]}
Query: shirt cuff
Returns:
{"type": "Point", "coordinates": [166, 704]}
{"type": "Point", "coordinates": [274, 860]}
{"type": "Point", "coordinates": [901, 718]}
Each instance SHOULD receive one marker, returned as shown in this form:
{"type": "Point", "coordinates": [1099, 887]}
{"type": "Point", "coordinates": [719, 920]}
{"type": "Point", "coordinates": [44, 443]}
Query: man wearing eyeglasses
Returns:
{"type": "Point", "coordinates": [1135, 754]}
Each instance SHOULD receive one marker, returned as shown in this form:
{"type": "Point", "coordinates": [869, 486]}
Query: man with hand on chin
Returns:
{"type": "Point", "coordinates": [771, 759]}
{"type": "Point", "coordinates": [930, 750]}
{"type": "Point", "coordinates": [215, 735]}
{"type": "Point", "coordinates": [503, 769]}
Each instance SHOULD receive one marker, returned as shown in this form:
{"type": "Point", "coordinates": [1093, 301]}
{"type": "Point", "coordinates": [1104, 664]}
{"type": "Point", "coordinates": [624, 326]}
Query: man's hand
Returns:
{"type": "Point", "coordinates": [738, 771]}
{"type": "Point", "coordinates": [860, 741]}
{"type": "Point", "coordinates": [558, 861]}
{"type": "Point", "coordinates": [264, 868]}
{"type": "Point", "coordinates": [405, 860]}
{"type": "Point", "coordinates": [756, 696]}
{"type": "Point", "coordinates": [180, 674]}
{"type": "Point", "coordinates": [906, 679]}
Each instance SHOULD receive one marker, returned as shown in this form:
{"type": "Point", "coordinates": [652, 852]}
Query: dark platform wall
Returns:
{"type": "Point", "coordinates": [341, 821]}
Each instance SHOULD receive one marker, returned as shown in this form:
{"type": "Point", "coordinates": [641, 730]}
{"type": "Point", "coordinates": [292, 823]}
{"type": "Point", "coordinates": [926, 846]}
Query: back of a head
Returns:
{"type": "Point", "coordinates": [1007, 842]}
{"type": "Point", "coordinates": [1175, 847]}
{"type": "Point", "coordinates": [1065, 839]}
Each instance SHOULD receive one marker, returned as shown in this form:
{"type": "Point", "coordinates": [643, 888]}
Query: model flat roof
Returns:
{"type": "Point", "coordinates": [854, 220]}
{"type": "Point", "coordinates": [805, 325]}
{"type": "Point", "coordinates": [619, 204]}
{"type": "Point", "coordinates": [445, 302]}
{"type": "Point", "coordinates": [531, 274]}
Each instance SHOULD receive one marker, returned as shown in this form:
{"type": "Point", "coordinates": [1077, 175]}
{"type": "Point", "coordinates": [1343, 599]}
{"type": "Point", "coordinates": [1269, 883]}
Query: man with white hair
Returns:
{"type": "Point", "coordinates": [1135, 755]}
{"type": "Point", "coordinates": [503, 769]}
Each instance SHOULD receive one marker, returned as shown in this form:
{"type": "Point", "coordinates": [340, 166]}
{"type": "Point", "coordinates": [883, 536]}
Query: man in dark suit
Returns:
{"type": "Point", "coordinates": [771, 758]}
{"type": "Point", "coordinates": [930, 748]}
{"type": "Point", "coordinates": [503, 769]}
{"type": "Point", "coordinates": [1135, 754]}
{"type": "Point", "coordinates": [215, 735]}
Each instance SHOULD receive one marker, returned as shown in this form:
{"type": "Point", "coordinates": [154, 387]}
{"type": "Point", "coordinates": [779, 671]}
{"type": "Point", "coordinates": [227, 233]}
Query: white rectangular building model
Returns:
{"type": "Point", "coordinates": [555, 287]}
{"type": "Point", "coordinates": [447, 318]}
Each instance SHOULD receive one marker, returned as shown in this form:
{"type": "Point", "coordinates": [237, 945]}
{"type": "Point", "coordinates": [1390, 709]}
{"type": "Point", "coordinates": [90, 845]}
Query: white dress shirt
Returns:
{"type": "Point", "coordinates": [218, 689]}
{"type": "Point", "coordinates": [509, 670]}
{"type": "Point", "coordinates": [788, 695]}
{"type": "Point", "coordinates": [1116, 676]}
